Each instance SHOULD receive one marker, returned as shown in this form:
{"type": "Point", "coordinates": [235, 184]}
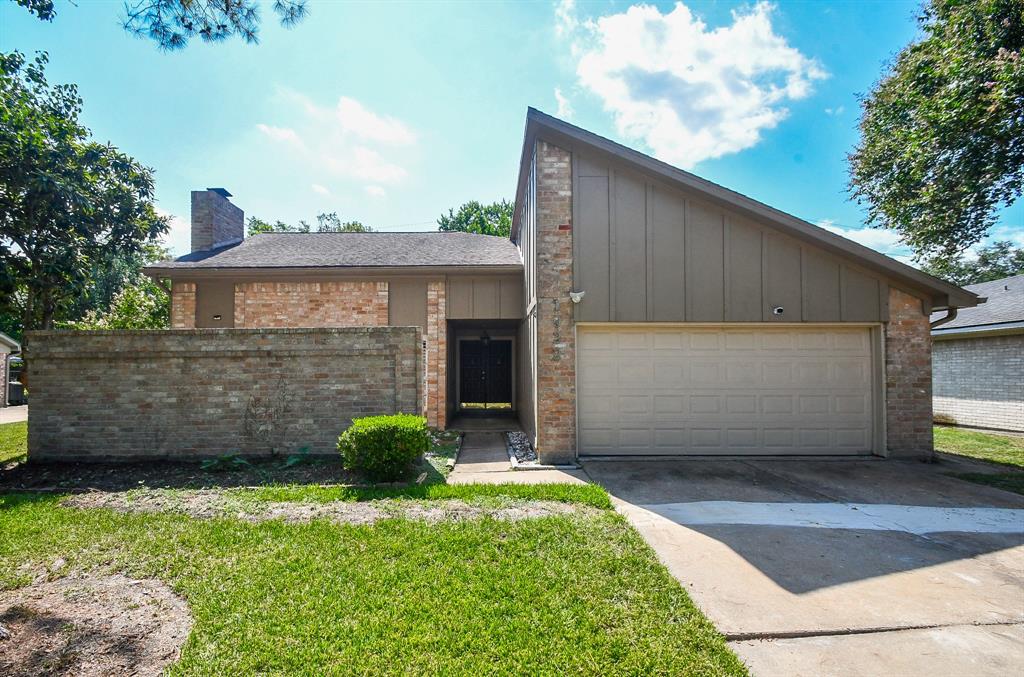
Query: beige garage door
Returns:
{"type": "Point", "coordinates": [724, 390]}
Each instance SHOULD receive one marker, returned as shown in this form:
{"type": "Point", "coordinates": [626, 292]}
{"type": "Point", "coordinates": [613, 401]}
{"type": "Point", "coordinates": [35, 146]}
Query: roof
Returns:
{"type": "Point", "coordinates": [1003, 310]}
{"type": "Point", "coordinates": [9, 342]}
{"type": "Point", "coordinates": [538, 124]}
{"type": "Point", "coordinates": [352, 250]}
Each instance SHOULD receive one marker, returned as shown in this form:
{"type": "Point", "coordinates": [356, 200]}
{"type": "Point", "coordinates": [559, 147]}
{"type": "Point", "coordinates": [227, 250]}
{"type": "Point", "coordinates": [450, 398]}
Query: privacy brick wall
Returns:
{"type": "Point", "coordinates": [908, 378]}
{"type": "Point", "coordinates": [311, 304]}
{"type": "Point", "coordinates": [183, 305]}
{"type": "Point", "coordinates": [980, 381]}
{"type": "Point", "coordinates": [556, 340]}
{"type": "Point", "coordinates": [437, 355]}
{"type": "Point", "coordinates": [204, 392]}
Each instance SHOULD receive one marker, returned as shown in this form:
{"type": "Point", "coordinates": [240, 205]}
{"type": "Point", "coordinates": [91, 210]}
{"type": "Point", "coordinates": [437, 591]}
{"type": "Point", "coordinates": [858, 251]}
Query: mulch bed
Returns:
{"type": "Point", "coordinates": [91, 625]}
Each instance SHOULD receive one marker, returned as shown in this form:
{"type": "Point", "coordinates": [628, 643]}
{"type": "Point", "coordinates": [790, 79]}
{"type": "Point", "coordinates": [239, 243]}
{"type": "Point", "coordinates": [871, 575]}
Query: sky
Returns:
{"type": "Point", "coordinates": [391, 113]}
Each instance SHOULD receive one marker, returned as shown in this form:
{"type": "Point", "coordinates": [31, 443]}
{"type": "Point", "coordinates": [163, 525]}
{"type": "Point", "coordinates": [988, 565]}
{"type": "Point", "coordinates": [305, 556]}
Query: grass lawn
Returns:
{"type": "Point", "coordinates": [579, 594]}
{"type": "Point", "coordinates": [1004, 450]}
{"type": "Point", "coordinates": [13, 441]}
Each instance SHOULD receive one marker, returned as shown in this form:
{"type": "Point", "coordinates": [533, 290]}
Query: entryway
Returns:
{"type": "Point", "coordinates": [483, 376]}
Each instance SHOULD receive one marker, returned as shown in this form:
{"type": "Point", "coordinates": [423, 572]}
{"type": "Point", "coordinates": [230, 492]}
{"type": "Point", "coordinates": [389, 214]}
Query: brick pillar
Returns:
{"type": "Point", "coordinates": [908, 378]}
{"type": "Point", "coordinates": [183, 305]}
{"type": "Point", "coordinates": [436, 386]}
{"type": "Point", "coordinates": [556, 339]}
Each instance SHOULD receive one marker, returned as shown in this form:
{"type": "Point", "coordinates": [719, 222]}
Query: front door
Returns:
{"type": "Point", "coordinates": [485, 375]}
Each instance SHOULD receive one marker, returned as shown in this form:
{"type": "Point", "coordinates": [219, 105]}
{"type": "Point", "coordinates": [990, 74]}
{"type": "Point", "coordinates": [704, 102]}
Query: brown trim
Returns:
{"type": "Point", "coordinates": [560, 133]}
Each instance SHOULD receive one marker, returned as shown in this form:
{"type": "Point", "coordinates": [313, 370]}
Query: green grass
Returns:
{"type": "Point", "coordinates": [13, 441]}
{"type": "Point", "coordinates": [1003, 451]}
{"type": "Point", "coordinates": [576, 594]}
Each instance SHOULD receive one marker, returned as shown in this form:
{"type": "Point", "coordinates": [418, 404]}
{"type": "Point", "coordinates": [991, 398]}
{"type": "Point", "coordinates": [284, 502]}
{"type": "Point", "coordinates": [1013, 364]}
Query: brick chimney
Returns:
{"type": "Point", "coordinates": [215, 221]}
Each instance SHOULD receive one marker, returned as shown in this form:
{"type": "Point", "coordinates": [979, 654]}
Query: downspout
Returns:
{"type": "Point", "coordinates": [950, 316]}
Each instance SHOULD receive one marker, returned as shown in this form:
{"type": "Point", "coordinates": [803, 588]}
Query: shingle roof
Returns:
{"type": "Point", "coordinates": [1005, 304]}
{"type": "Point", "coordinates": [354, 250]}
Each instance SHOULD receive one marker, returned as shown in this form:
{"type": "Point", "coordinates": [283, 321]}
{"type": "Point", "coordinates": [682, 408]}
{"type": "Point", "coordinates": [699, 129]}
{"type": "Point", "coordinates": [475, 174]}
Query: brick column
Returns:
{"type": "Point", "coordinates": [183, 305]}
{"type": "Point", "coordinates": [436, 337]}
{"type": "Point", "coordinates": [556, 339]}
{"type": "Point", "coordinates": [908, 378]}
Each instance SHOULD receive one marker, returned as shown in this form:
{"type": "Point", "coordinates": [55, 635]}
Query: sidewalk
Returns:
{"type": "Point", "coordinates": [14, 414]}
{"type": "Point", "coordinates": [483, 459]}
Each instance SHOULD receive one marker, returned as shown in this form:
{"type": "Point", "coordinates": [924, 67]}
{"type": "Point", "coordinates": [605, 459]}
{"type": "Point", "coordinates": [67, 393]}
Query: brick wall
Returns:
{"type": "Point", "coordinates": [556, 343]}
{"type": "Point", "coordinates": [205, 392]}
{"type": "Point", "coordinates": [979, 381]}
{"type": "Point", "coordinates": [183, 305]}
{"type": "Point", "coordinates": [908, 378]}
{"type": "Point", "coordinates": [437, 355]}
{"type": "Point", "coordinates": [311, 304]}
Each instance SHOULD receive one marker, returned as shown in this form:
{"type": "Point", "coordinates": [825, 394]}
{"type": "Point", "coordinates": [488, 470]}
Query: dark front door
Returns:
{"type": "Point", "coordinates": [485, 370]}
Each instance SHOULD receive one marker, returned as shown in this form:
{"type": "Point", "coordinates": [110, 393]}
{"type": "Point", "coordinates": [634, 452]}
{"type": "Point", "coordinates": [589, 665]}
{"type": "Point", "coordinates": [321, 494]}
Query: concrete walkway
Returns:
{"type": "Point", "coordinates": [483, 459]}
{"type": "Point", "coordinates": [841, 568]}
{"type": "Point", "coordinates": [14, 414]}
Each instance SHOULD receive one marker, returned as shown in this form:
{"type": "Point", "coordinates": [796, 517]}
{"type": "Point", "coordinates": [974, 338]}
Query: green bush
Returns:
{"type": "Point", "coordinates": [382, 448]}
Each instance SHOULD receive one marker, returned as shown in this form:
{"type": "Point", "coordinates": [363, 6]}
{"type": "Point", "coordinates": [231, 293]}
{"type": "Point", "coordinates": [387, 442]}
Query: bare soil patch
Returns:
{"type": "Point", "coordinates": [92, 625]}
{"type": "Point", "coordinates": [207, 504]}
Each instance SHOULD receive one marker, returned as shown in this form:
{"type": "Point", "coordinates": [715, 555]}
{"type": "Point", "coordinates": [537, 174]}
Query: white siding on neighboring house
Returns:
{"type": "Point", "coordinates": [979, 381]}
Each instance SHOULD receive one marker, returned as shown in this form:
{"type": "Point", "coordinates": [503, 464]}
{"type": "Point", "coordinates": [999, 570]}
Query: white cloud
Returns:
{"type": "Point", "coordinates": [884, 241]}
{"type": "Point", "coordinates": [322, 190]}
{"type": "Point", "coordinates": [283, 134]}
{"type": "Point", "coordinates": [564, 105]}
{"type": "Point", "coordinates": [375, 191]}
{"type": "Point", "coordinates": [346, 140]}
{"type": "Point", "coordinates": [838, 110]}
{"type": "Point", "coordinates": [688, 91]}
{"type": "Point", "coordinates": [354, 117]}
{"type": "Point", "coordinates": [179, 238]}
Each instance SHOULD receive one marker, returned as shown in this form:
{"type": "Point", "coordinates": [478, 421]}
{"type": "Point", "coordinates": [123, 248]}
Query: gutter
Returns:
{"type": "Point", "coordinates": [950, 316]}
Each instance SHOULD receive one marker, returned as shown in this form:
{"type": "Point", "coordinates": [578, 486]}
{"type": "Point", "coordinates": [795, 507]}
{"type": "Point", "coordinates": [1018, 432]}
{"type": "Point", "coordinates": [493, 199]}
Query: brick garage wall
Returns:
{"type": "Point", "coordinates": [556, 341]}
{"type": "Point", "coordinates": [980, 381]}
{"type": "Point", "coordinates": [311, 304]}
{"type": "Point", "coordinates": [205, 392]}
{"type": "Point", "coordinates": [183, 305]}
{"type": "Point", "coordinates": [908, 378]}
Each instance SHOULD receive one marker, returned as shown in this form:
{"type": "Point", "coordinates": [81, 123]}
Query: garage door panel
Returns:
{"type": "Point", "coordinates": [725, 390]}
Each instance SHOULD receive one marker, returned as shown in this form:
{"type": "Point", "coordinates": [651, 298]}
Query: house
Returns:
{"type": "Point", "coordinates": [978, 360]}
{"type": "Point", "coordinates": [8, 347]}
{"type": "Point", "coordinates": [636, 310]}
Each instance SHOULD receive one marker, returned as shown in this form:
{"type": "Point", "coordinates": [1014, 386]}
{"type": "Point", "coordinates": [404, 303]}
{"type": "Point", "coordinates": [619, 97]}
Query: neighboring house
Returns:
{"type": "Point", "coordinates": [637, 310]}
{"type": "Point", "coordinates": [978, 360]}
{"type": "Point", "coordinates": [8, 347]}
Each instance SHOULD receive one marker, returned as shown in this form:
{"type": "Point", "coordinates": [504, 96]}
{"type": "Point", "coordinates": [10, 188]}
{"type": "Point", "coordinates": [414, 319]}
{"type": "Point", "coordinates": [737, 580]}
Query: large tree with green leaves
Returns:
{"type": "Point", "coordinates": [474, 217]}
{"type": "Point", "coordinates": [999, 260]}
{"type": "Point", "coordinates": [67, 203]}
{"type": "Point", "coordinates": [327, 222]}
{"type": "Point", "coordinates": [942, 147]}
{"type": "Point", "coordinates": [172, 23]}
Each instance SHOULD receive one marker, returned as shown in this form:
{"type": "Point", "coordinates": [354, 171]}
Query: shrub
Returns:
{"type": "Point", "coordinates": [382, 448]}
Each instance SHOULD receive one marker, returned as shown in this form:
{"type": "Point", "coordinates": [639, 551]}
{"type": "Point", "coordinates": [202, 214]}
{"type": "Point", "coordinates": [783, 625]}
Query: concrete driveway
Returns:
{"type": "Point", "coordinates": [838, 567]}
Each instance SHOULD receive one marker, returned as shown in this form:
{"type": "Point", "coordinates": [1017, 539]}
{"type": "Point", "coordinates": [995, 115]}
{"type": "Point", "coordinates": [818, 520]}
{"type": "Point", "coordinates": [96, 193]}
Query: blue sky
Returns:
{"type": "Point", "coordinates": [392, 112]}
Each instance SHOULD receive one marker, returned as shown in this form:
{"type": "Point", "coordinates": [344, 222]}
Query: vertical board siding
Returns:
{"type": "Point", "coordinates": [705, 264]}
{"type": "Point", "coordinates": [648, 252]}
{"type": "Point", "coordinates": [630, 249]}
{"type": "Point", "coordinates": [668, 277]}
{"type": "Point", "coordinates": [485, 298]}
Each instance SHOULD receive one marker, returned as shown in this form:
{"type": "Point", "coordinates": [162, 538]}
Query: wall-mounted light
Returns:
{"type": "Point", "coordinates": [778, 310]}
{"type": "Point", "coordinates": [576, 296]}
{"type": "Point", "coordinates": [217, 317]}
{"type": "Point", "coordinates": [485, 339]}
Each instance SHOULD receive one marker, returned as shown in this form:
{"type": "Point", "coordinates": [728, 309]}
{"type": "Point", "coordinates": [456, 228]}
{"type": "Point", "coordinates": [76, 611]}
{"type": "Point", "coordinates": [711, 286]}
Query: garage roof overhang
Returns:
{"type": "Point", "coordinates": [542, 126]}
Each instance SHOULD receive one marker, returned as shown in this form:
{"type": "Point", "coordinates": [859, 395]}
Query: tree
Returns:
{"type": "Point", "coordinates": [994, 262]}
{"type": "Point", "coordinates": [942, 144]}
{"type": "Point", "coordinates": [172, 23]}
{"type": "Point", "coordinates": [66, 202]}
{"type": "Point", "coordinates": [325, 223]}
{"type": "Point", "coordinates": [473, 217]}
{"type": "Point", "coordinates": [141, 304]}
